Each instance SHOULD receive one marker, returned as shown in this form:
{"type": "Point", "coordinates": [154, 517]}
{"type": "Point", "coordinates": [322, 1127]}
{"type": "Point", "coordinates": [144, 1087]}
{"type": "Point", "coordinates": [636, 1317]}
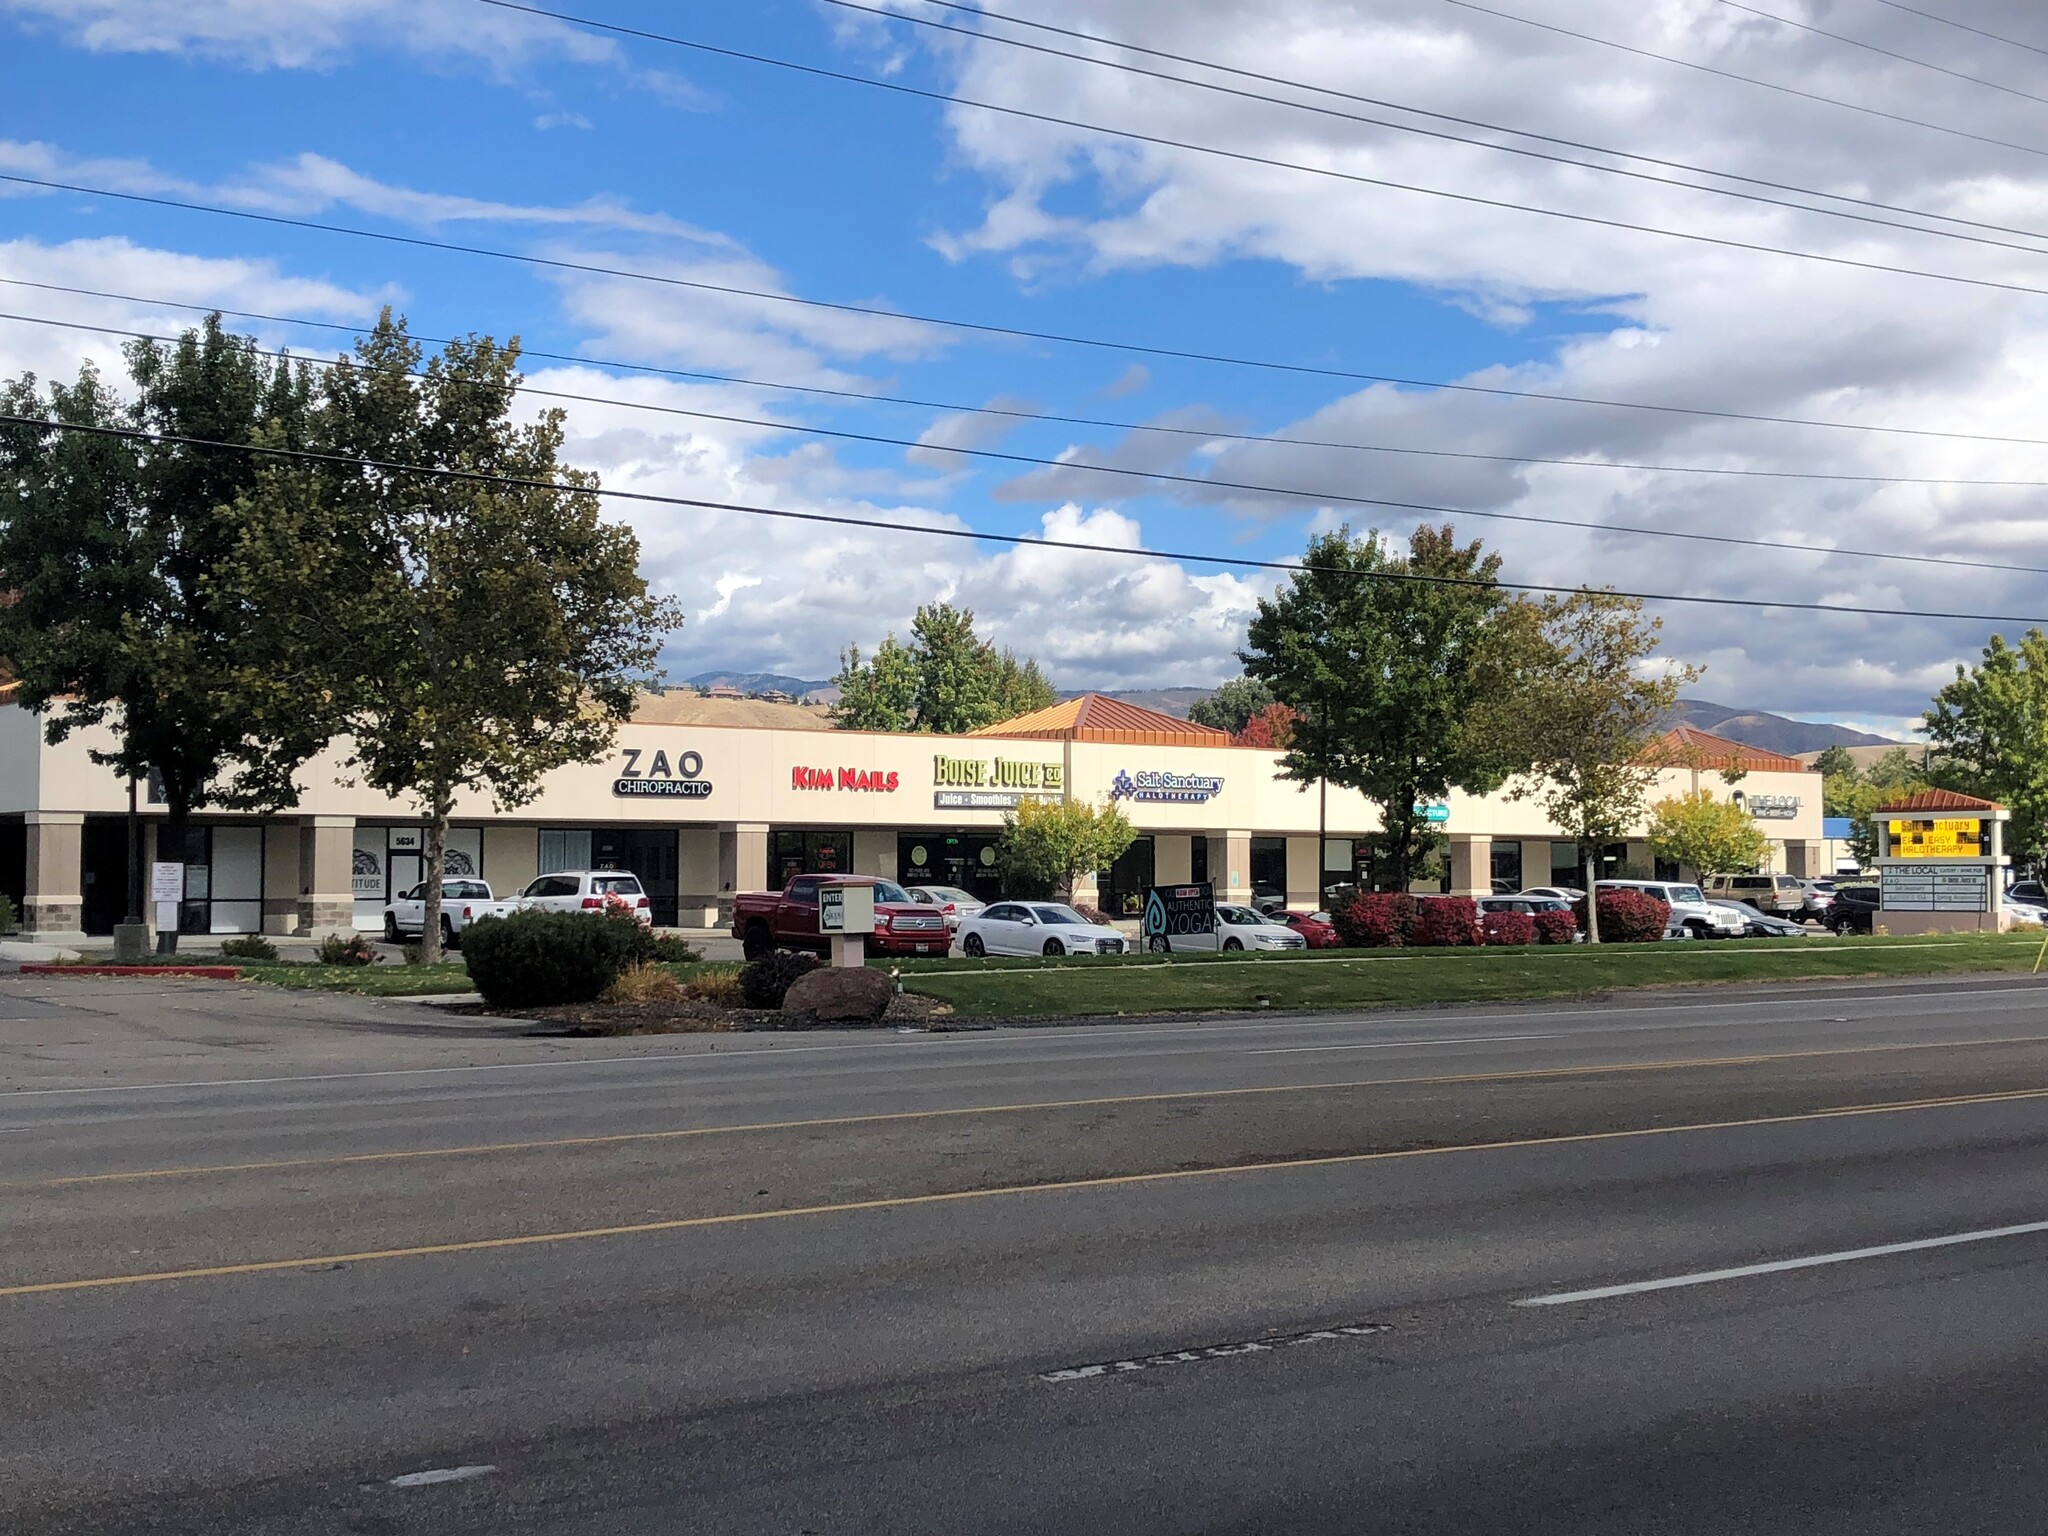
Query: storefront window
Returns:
{"type": "Point", "coordinates": [563, 848]}
{"type": "Point", "coordinates": [1269, 868]}
{"type": "Point", "coordinates": [1564, 866]}
{"type": "Point", "coordinates": [223, 880]}
{"type": "Point", "coordinates": [963, 860]}
{"type": "Point", "coordinates": [1507, 867]}
{"type": "Point", "coordinates": [807, 853]}
{"type": "Point", "coordinates": [1120, 889]}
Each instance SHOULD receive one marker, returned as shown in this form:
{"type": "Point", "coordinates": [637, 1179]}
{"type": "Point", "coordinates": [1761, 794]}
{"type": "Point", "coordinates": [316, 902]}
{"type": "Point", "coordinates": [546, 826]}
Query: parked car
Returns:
{"type": "Point", "coordinates": [587, 890]}
{"type": "Point", "coordinates": [1241, 928]}
{"type": "Point", "coordinates": [1562, 893]}
{"type": "Point", "coordinates": [2025, 915]}
{"type": "Point", "coordinates": [1315, 928]}
{"type": "Point", "coordinates": [788, 919]}
{"type": "Point", "coordinates": [1761, 925]}
{"type": "Point", "coordinates": [462, 903]}
{"type": "Point", "coordinates": [1690, 909]}
{"type": "Point", "coordinates": [1854, 909]}
{"type": "Point", "coordinates": [1524, 901]}
{"type": "Point", "coordinates": [2029, 893]}
{"type": "Point", "coordinates": [950, 899]}
{"type": "Point", "coordinates": [1818, 900]}
{"type": "Point", "coordinates": [1036, 928]}
{"type": "Point", "coordinates": [1777, 895]}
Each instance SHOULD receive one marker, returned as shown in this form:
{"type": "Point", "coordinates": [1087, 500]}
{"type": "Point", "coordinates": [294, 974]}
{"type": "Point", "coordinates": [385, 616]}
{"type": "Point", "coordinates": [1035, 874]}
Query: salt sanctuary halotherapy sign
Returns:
{"type": "Point", "coordinates": [1156, 785]}
{"type": "Point", "coordinates": [642, 776]}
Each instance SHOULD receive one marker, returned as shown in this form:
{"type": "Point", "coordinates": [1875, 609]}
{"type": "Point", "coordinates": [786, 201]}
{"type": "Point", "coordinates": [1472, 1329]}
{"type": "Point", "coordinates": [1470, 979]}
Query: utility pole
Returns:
{"type": "Point", "coordinates": [131, 937]}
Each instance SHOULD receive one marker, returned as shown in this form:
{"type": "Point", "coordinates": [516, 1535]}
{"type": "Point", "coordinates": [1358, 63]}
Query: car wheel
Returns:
{"type": "Point", "coordinates": [755, 942]}
{"type": "Point", "coordinates": [1054, 947]}
{"type": "Point", "coordinates": [973, 946]}
{"type": "Point", "coordinates": [391, 933]}
{"type": "Point", "coordinates": [448, 940]}
{"type": "Point", "coordinates": [1233, 943]}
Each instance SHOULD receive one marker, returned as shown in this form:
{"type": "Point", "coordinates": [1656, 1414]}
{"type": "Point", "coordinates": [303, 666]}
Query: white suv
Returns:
{"type": "Point", "coordinates": [588, 890]}
{"type": "Point", "coordinates": [1691, 913]}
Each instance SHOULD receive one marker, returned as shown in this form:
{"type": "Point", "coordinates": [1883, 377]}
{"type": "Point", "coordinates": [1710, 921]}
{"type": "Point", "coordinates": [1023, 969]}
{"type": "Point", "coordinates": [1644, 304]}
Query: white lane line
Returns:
{"type": "Point", "coordinates": [1388, 1045]}
{"type": "Point", "coordinates": [1103, 1034]}
{"type": "Point", "coordinates": [1781, 1266]}
{"type": "Point", "coordinates": [439, 1475]}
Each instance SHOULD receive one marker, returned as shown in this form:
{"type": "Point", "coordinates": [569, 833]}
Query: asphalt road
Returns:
{"type": "Point", "coordinates": [271, 1263]}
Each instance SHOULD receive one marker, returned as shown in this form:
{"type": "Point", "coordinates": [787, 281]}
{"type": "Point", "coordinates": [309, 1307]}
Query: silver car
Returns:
{"type": "Point", "coordinates": [955, 902]}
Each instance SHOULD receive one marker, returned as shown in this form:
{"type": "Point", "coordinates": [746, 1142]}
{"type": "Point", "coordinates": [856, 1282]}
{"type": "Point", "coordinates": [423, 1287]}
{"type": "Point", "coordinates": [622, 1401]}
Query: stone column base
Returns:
{"type": "Point", "coordinates": [53, 916]}
{"type": "Point", "coordinates": [319, 917]}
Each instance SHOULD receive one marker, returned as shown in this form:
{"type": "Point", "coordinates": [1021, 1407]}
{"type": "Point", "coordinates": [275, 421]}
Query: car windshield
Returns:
{"type": "Point", "coordinates": [466, 890]}
{"type": "Point", "coordinates": [1238, 917]}
{"type": "Point", "coordinates": [615, 885]}
{"type": "Point", "coordinates": [1684, 893]}
{"type": "Point", "coordinates": [885, 891]}
{"type": "Point", "coordinates": [1059, 915]}
{"type": "Point", "coordinates": [950, 893]}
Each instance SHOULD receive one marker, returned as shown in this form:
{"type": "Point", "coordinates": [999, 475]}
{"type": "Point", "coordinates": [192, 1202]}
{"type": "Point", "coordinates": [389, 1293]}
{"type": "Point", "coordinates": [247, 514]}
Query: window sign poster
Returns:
{"type": "Point", "coordinates": [1178, 911]}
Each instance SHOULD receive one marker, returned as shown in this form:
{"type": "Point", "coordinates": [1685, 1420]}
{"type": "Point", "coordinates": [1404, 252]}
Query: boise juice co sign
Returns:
{"type": "Point", "coordinates": [873, 781]}
{"type": "Point", "coordinates": [658, 778]}
{"type": "Point", "coordinates": [997, 784]}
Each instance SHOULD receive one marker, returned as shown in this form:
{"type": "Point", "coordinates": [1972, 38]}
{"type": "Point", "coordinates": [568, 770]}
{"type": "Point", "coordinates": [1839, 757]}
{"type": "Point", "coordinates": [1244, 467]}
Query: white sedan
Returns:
{"type": "Point", "coordinates": [958, 904]}
{"type": "Point", "coordinates": [1239, 928]}
{"type": "Point", "coordinates": [1035, 928]}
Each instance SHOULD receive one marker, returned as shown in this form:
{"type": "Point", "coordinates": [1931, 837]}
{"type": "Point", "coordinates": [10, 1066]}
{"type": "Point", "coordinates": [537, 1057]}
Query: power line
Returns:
{"type": "Point", "coordinates": [988, 328]}
{"type": "Point", "coordinates": [1729, 74]}
{"type": "Point", "coordinates": [520, 482]}
{"type": "Point", "coordinates": [1203, 482]}
{"type": "Point", "coordinates": [1056, 418]}
{"type": "Point", "coordinates": [1903, 58]}
{"type": "Point", "coordinates": [1948, 21]}
{"type": "Point", "coordinates": [1272, 162]}
{"type": "Point", "coordinates": [1454, 138]}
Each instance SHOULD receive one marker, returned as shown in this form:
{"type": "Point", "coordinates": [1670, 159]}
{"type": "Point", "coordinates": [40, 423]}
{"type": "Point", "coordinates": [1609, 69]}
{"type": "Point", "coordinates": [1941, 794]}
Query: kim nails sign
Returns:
{"type": "Point", "coordinates": [875, 782]}
{"type": "Point", "coordinates": [656, 777]}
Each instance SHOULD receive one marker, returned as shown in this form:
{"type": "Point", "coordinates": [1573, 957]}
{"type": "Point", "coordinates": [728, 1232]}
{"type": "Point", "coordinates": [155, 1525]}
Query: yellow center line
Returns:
{"type": "Point", "coordinates": [909, 1202]}
{"type": "Point", "coordinates": [617, 1138]}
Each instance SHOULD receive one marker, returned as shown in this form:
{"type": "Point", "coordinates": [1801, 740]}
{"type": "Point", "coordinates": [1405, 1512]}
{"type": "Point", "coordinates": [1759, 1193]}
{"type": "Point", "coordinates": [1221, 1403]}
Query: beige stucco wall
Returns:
{"type": "Point", "coordinates": [753, 777]}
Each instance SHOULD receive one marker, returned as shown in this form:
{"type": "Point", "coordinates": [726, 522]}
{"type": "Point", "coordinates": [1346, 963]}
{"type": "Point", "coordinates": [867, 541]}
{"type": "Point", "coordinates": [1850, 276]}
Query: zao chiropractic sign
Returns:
{"type": "Point", "coordinates": [683, 781]}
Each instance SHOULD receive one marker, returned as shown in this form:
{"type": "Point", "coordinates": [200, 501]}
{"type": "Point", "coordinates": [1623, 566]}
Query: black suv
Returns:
{"type": "Point", "coordinates": [1853, 910]}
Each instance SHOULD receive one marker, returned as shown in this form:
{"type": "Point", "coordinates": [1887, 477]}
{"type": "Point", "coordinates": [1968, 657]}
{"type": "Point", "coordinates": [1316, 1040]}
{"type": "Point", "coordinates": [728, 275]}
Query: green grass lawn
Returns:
{"type": "Point", "coordinates": [371, 980]}
{"type": "Point", "coordinates": [1030, 987]}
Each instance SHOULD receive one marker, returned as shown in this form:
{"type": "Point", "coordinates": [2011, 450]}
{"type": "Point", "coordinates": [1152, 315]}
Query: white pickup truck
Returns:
{"type": "Point", "coordinates": [462, 903]}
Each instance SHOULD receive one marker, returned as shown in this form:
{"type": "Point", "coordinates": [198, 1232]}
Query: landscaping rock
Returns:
{"type": "Point", "coordinates": [841, 994]}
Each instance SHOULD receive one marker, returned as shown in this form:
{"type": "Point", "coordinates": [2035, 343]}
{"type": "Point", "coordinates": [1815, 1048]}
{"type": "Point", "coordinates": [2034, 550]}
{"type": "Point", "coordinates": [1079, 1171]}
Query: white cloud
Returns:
{"type": "Point", "coordinates": [548, 120]}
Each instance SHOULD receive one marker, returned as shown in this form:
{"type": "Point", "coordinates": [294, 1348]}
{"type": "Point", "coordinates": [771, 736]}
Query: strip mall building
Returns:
{"type": "Point", "coordinates": [701, 812]}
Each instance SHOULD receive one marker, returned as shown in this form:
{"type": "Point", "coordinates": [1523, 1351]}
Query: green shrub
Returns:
{"type": "Point", "coordinates": [346, 949]}
{"type": "Point", "coordinates": [538, 959]}
{"type": "Point", "coordinates": [10, 919]}
{"type": "Point", "coordinates": [415, 953]}
{"type": "Point", "coordinates": [248, 946]}
{"type": "Point", "coordinates": [766, 981]}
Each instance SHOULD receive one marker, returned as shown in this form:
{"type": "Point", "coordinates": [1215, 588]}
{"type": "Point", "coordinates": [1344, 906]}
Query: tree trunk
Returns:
{"type": "Point", "coordinates": [170, 848]}
{"type": "Point", "coordinates": [1592, 895]}
{"type": "Point", "coordinates": [439, 804]}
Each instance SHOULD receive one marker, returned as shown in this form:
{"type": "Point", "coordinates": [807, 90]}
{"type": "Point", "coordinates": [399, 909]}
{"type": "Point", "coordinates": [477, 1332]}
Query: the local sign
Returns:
{"type": "Point", "coordinates": [1158, 785]}
{"type": "Point", "coordinates": [1770, 807]}
{"type": "Point", "coordinates": [1950, 838]}
{"type": "Point", "coordinates": [658, 777]}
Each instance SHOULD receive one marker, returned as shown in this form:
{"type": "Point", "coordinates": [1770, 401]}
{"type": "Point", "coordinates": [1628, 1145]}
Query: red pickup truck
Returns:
{"type": "Point", "coordinates": [763, 920]}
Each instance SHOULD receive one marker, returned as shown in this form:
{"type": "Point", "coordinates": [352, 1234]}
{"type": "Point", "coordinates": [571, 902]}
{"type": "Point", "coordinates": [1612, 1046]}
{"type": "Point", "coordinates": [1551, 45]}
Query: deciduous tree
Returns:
{"type": "Point", "coordinates": [947, 680]}
{"type": "Point", "coordinates": [1233, 706]}
{"type": "Point", "coordinates": [1589, 711]}
{"type": "Point", "coordinates": [110, 545]}
{"type": "Point", "coordinates": [1710, 836]}
{"type": "Point", "coordinates": [479, 632]}
{"type": "Point", "coordinates": [1403, 666]}
{"type": "Point", "coordinates": [1991, 728]}
{"type": "Point", "coordinates": [1048, 845]}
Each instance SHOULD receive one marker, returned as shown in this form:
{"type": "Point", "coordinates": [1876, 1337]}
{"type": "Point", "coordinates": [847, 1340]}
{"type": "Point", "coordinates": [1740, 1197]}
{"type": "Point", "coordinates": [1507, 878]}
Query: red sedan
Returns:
{"type": "Point", "coordinates": [1315, 927]}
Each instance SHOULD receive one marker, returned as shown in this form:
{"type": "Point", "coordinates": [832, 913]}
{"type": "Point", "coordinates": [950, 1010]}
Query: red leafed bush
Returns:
{"type": "Point", "coordinates": [1445, 921]}
{"type": "Point", "coordinates": [1376, 919]}
{"type": "Point", "coordinates": [1554, 927]}
{"type": "Point", "coordinates": [1508, 927]}
{"type": "Point", "coordinates": [1629, 917]}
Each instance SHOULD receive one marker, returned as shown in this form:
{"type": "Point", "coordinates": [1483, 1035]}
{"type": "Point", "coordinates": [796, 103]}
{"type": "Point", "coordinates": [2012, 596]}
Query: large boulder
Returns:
{"type": "Point", "coordinates": [841, 994]}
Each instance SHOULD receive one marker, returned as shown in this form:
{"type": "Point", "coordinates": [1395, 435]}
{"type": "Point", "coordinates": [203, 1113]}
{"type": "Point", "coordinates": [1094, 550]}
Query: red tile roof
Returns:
{"type": "Point", "coordinates": [1686, 746]}
{"type": "Point", "coordinates": [1094, 717]}
{"type": "Point", "coordinates": [1937, 800]}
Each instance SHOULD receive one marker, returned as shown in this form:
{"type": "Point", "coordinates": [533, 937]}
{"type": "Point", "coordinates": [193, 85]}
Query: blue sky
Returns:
{"type": "Point", "coordinates": [451, 120]}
